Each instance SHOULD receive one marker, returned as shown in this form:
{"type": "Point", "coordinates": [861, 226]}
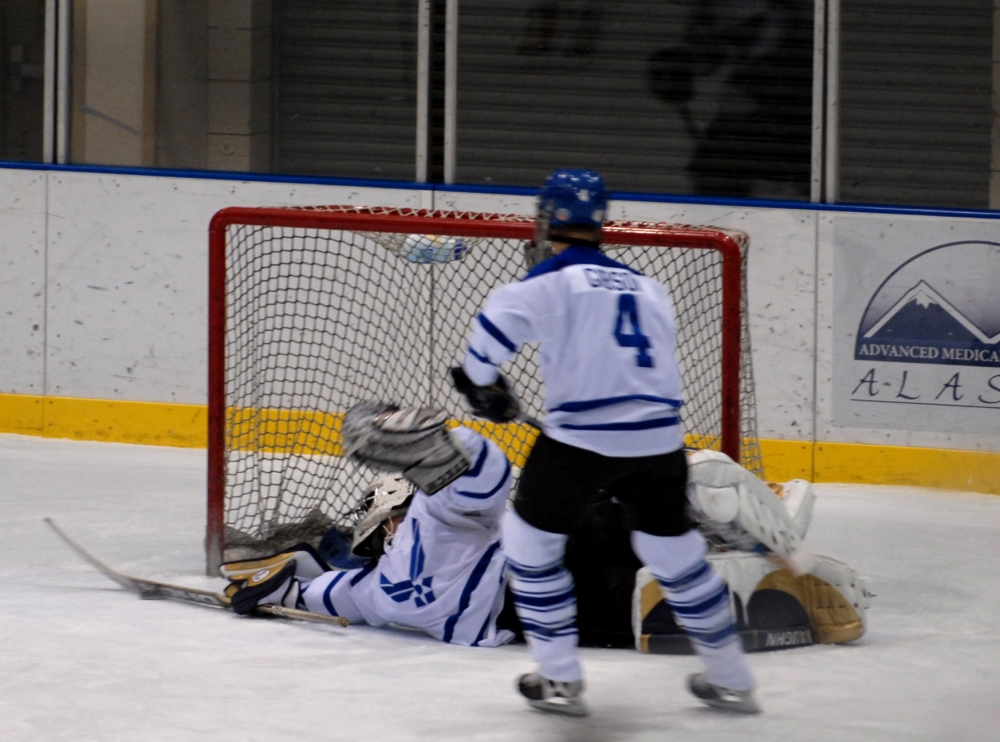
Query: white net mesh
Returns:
{"type": "Point", "coordinates": [320, 319]}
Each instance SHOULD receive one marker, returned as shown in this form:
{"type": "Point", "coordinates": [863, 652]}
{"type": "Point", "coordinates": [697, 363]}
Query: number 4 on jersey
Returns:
{"type": "Point", "coordinates": [628, 311]}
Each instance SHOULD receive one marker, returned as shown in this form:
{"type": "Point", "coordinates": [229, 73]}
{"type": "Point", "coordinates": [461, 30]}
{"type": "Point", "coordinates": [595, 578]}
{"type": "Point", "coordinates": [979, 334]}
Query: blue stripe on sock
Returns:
{"type": "Point", "coordinates": [712, 639]}
{"type": "Point", "coordinates": [535, 574]}
{"type": "Point", "coordinates": [529, 600]}
{"type": "Point", "coordinates": [549, 631]}
{"type": "Point", "coordinates": [705, 607]}
{"type": "Point", "coordinates": [698, 572]}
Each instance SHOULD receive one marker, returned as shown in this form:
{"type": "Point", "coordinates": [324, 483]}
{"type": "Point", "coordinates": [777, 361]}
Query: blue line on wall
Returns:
{"type": "Point", "coordinates": [500, 190]}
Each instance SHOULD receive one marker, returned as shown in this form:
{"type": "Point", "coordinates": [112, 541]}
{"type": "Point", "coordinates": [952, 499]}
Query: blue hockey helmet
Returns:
{"type": "Point", "coordinates": [573, 197]}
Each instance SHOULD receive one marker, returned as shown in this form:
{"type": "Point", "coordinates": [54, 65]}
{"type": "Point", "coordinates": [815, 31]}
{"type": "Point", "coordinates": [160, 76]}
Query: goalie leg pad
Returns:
{"type": "Point", "coordinates": [773, 608]}
{"type": "Point", "coordinates": [799, 498]}
{"type": "Point", "coordinates": [736, 509]}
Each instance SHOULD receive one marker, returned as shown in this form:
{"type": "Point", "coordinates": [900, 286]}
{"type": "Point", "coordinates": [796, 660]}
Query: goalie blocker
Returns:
{"type": "Point", "coordinates": [412, 441]}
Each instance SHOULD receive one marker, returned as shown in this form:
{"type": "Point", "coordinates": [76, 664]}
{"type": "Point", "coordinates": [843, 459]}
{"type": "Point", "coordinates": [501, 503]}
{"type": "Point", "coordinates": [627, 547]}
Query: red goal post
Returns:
{"type": "Point", "coordinates": [312, 309]}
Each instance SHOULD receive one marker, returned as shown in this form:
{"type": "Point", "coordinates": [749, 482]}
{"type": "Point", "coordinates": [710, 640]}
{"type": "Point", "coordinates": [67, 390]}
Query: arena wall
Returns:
{"type": "Point", "coordinates": [103, 316]}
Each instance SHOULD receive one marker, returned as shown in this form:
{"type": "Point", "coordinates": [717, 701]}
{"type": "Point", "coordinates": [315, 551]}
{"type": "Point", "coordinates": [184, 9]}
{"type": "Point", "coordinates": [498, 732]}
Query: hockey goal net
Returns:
{"type": "Point", "coordinates": [314, 309]}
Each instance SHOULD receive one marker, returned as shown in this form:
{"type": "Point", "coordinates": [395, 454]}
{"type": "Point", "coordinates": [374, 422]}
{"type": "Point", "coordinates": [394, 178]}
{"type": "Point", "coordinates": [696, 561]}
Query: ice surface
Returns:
{"type": "Point", "coordinates": [81, 659]}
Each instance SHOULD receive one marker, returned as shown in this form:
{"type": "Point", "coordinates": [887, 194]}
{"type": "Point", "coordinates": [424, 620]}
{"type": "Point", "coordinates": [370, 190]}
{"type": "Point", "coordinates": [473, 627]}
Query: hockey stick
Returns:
{"type": "Point", "coordinates": [153, 590]}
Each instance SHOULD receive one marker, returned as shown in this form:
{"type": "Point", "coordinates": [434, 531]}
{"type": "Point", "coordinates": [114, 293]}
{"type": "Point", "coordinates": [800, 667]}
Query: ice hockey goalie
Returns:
{"type": "Point", "coordinates": [781, 594]}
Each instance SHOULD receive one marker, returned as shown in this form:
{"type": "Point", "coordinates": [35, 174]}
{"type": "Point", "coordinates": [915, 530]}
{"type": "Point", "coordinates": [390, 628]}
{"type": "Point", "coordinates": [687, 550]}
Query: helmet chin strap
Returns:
{"type": "Point", "coordinates": [572, 234]}
{"type": "Point", "coordinates": [577, 241]}
{"type": "Point", "coordinates": [541, 248]}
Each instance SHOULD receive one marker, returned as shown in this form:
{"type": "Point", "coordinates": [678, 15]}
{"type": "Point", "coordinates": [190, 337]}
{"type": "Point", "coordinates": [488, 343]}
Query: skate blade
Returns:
{"type": "Point", "coordinates": [564, 706]}
{"type": "Point", "coordinates": [734, 705]}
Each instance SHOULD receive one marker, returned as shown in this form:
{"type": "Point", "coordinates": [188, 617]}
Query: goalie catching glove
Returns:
{"type": "Point", "coordinates": [496, 402]}
{"type": "Point", "coordinates": [412, 441]}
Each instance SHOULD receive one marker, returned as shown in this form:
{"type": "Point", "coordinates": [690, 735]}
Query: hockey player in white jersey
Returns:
{"type": "Point", "coordinates": [389, 564]}
{"type": "Point", "coordinates": [434, 562]}
{"type": "Point", "coordinates": [613, 429]}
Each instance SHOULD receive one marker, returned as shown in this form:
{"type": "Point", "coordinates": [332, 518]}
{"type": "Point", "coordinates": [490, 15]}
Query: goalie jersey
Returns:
{"type": "Point", "coordinates": [607, 339]}
{"type": "Point", "coordinates": [443, 571]}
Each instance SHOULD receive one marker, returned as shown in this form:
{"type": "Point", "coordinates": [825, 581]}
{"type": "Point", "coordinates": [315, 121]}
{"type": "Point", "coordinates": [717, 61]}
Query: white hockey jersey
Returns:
{"type": "Point", "coordinates": [607, 339]}
{"type": "Point", "coordinates": [443, 572]}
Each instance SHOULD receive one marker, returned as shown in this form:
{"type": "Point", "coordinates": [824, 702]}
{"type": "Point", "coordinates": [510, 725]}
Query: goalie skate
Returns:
{"type": "Point", "coordinates": [553, 696]}
{"type": "Point", "coordinates": [727, 699]}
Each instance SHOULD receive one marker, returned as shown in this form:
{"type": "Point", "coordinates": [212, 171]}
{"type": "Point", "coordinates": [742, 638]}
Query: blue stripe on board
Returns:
{"type": "Point", "coordinates": [496, 333]}
{"type": "Point", "coordinates": [662, 422]}
{"type": "Point", "coordinates": [470, 586]}
{"type": "Point", "coordinates": [595, 404]}
{"type": "Point", "coordinates": [327, 603]}
{"type": "Point", "coordinates": [503, 190]}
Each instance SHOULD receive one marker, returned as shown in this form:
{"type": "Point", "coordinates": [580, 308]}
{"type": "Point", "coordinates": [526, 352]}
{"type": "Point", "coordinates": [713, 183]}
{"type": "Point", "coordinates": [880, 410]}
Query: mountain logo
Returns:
{"type": "Point", "coordinates": [941, 306]}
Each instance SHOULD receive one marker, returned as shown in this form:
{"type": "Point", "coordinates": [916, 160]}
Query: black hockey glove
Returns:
{"type": "Point", "coordinates": [495, 402]}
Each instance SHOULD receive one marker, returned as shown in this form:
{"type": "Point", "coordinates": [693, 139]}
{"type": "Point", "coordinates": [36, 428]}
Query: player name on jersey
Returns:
{"type": "Point", "coordinates": [613, 280]}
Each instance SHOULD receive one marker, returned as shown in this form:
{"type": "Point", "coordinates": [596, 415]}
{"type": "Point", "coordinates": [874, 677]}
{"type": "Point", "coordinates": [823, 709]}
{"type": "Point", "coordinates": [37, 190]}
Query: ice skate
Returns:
{"type": "Point", "coordinates": [553, 696]}
{"type": "Point", "coordinates": [738, 701]}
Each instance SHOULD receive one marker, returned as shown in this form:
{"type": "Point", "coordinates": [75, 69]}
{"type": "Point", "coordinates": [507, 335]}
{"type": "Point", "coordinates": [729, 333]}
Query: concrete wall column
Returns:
{"type": "Point", "coordinates": [239, 85]}
{"type": "Point", "coordinates": [995, 128]}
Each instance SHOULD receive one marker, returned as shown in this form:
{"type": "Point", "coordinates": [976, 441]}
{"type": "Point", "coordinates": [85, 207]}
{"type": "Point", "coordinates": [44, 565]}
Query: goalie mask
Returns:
{"type": "Point", "coordinates": [386, 498]}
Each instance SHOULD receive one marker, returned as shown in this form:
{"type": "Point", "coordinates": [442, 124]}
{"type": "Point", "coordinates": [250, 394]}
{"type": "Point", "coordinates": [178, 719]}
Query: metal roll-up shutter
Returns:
{"type": "Point", "coordinates": [346, 88]}
{"type": "Point", "coordinates": [915, 102]}
{"type": "Point", "coordinates": [708, 96]}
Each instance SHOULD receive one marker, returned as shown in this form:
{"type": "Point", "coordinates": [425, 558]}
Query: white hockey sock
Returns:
{"type": "Point", "coordinates": [700, 602]}
{"type": "Point", "coordinates": [544, 597]}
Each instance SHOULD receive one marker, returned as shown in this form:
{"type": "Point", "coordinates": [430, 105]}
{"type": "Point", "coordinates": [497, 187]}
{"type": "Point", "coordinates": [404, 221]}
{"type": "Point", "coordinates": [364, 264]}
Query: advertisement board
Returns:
{"type": "Point", "coordinates": [917, 324]}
